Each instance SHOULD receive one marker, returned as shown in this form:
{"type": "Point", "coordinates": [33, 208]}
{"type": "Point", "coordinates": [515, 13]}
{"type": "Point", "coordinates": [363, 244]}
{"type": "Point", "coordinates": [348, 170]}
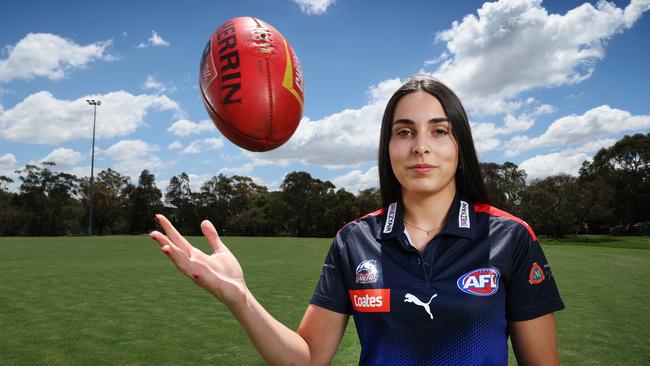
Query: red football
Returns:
{"type": "Point", "coordinates": [252, 84]}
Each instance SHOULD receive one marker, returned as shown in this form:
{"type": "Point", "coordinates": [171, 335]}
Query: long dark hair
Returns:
{"type": "Point", "coordinates": [469, 182]}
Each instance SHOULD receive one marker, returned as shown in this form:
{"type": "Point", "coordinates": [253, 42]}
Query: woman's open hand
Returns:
{"type": "Point", "coordinates": [219, 273]}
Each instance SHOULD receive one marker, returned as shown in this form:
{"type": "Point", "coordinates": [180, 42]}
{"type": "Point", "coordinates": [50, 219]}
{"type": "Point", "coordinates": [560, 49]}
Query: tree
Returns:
{"type": "Point", "coordinates": [32, 200]}
{"type": "Point", "coordinates": [215, 196]}
{"type": "Point", "coordinates": [368, 200]}
{"type": "Point", "coordinates": [110, 202]}
{"type": "Point", "coordinates": [145, 203]}
{"type": "Point", "coordinates": [550, 205]}
{"type": "Point", "coordinates": [183, 203]}
{"type": "Point", "coordinates": [245, 192]}
{"type": "Point", "coordinates": [341, 209]}
{"type": "Point", "coordinates": [260, 218]}
{"type": "Point", "coordinates": [620, 177]}
{"type": "Point", "coordinates": [504, 184]}
{"type": "Point", "coordinates": [10, 216]}
{"type": "Point", "coordinates": [48, 201]}
{"type": "Point", "coordinates": [4, 181]}
{"type": "Point", "coordinates": [596, 200]}
{"type": "Point", "coordinates": [276, 211]}
{"type": "Point", "coordinates": [307, 200]}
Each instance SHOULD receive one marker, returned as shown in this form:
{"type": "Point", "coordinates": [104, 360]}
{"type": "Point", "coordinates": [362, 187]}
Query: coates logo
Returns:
{"type": "Point", "coordinates": [367, 271]}
{"type": "Point", "coordinates": [371, 300]}
{"type": "Point", "coordinates": [480, 282]}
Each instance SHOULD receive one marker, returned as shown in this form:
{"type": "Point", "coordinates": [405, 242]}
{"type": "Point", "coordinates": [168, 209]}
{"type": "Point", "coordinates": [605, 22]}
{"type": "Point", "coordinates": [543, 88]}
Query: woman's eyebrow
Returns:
{"type": "Point", "coordinates": [410, 122]}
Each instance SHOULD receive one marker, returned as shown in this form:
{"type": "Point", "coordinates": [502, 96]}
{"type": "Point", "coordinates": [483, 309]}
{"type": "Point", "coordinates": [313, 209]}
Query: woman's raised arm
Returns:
{"type": "Point", "coordinates": [220, 274]}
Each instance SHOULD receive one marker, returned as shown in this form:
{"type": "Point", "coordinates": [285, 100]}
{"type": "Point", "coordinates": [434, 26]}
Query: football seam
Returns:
{"type": "Point", "coordinates": [269, 83]}
{"type": "Point", "coordinates": [269, 90]}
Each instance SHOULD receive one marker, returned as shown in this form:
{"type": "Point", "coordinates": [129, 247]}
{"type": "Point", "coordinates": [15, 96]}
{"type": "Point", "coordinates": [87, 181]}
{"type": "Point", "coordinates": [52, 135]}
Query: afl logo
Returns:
{"type": "Point", "coordinates": [480, 282]}
{"type": "Point", "coordinates": [367, 271]}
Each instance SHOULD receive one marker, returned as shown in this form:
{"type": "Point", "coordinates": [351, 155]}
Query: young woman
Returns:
{"type": "Point", "coordinates": [437, 277]}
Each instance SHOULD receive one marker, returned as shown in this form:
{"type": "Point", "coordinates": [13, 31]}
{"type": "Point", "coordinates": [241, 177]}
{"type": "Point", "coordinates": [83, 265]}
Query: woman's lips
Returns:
{"type": "Point", "coordinates": [421, 168]}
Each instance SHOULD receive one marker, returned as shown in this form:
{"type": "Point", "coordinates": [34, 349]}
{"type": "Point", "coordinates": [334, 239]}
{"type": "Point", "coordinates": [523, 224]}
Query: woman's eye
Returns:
{"type": "Point", "coordinates": [403, 133]}
{"type": "Point", "coordinates": [440, 132]}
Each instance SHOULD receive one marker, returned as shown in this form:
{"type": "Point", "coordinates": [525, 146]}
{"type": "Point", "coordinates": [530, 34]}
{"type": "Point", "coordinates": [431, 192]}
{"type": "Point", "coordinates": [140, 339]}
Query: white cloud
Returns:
{"type": "Point", "coordinates": [193, 148]}
{"type": "Point", "coordinates": [198, 146]}
{"type": "Point", "coordinates": [315, 7]}
{"type": "Point", "coordinates": [486, 134]}
{"type": "Point", "coordinates": [129, 149]}
{"type": "Point", "coordinates": [597, 123]}
{"type": "Point", "coordinates": [634, 11]}
{"type": "Point", "coordinates": [154, 84]}
{"type": "Point", "coordinates": [241, 170]}
{"type": "Point", "coordinates": [544, 109]}
{"type": "Point", "coordinates": [443, 57]}
{"type": "Point", "coordinates": [155, 40]}
{"type": "Point", "coordinates": [485, 137]}
{"type": "Point", "coordinates": [120, 114]}
{"type": "Point", "coordinates": [542, 166]}
{"type": "Point", "coordinates": [64, 158]}
{"type": "Point", "coordinates": [357, 180]}
{"type": "Point", "coordinates": [593, 146]}
{"type": "Point", "coordinates": [175, 145]}
{"type": "Point", "coordinates": [184, 127]}
{"type": "Point", "coordinates": [567, 161]}
{"type": "Point", "coordinates": [7, 163]}
{"type": "Point", "coordinates": [382, 91]}
{"type": "Point", "coordinates": [7, 168]}
{"type": "Point", "coordinates": [346, 138]}
{"type": "Point", "coordinates": [196, 181]}
{"type": "Point", "coordinates": [516, 124]}
{"type": "Point", "coordinates": [49, 55]}
{"type": "Point", "coordinates": [213, 143]}
{"type": "Point", "coordinates": [130, 157]}
{"type": "Point", "coordinates": [515, 45]}
{"type": "Point", "coordinates": [82, 171]}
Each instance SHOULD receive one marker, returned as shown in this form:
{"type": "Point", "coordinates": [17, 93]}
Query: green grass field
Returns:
{"type": "Point", "coordinates": [119, 301]}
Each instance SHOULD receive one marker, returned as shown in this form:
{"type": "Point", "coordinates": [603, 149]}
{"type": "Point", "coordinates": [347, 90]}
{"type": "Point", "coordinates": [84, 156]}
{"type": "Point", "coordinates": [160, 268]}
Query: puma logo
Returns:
{"type": "Point", "coordinates": [413, 299]}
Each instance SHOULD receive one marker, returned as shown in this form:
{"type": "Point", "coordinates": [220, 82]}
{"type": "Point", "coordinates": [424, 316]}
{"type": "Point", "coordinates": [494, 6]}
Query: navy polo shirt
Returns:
{"type": "Point", "coordinates": [449, 305]}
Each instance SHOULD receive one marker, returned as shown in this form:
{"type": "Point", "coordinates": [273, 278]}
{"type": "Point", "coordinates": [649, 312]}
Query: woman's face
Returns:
{"type": "Point", "coordinates": [423, 152]}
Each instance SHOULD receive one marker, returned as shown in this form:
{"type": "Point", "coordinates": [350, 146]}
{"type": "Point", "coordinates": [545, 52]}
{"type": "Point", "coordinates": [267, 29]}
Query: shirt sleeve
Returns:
{"type": "Point", "coordinates": [331, 290]}
{"type": "Point", "coordinates": [532, 291]}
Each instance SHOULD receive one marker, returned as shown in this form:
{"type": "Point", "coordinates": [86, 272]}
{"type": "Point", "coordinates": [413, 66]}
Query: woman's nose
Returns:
{"type": "Point", "coordinates": [421, 147]}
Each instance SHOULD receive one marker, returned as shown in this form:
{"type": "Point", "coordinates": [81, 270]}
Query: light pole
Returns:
{"type": "Point", "coordinates": [94, 103]}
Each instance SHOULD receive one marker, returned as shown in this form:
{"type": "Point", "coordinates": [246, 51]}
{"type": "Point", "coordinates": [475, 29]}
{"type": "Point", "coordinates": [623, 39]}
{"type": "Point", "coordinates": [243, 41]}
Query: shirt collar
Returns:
{"type": "Point", "coordinates": [461, 220]}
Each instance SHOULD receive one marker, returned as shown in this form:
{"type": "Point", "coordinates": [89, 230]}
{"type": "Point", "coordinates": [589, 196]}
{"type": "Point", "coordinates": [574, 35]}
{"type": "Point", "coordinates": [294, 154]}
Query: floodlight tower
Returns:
{"type": "Point", "coordinates": [93, 103]}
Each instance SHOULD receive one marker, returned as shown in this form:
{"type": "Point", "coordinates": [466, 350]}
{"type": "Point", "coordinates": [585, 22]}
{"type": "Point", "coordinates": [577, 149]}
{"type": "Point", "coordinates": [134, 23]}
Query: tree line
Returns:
{"type": "Point", "coordinates": [609, 196]}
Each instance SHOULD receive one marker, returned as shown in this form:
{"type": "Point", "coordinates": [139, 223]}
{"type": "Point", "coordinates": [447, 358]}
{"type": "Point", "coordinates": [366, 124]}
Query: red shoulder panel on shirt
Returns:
{"type": "Point", "coordinates": [484, 207]}
{"type": "Point", "coordinates": [374, 213]}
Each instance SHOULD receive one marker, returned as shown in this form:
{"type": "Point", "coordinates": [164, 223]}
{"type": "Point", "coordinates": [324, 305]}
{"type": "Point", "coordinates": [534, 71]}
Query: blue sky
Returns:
{"type": "Point", "coordinates": [546, 84]}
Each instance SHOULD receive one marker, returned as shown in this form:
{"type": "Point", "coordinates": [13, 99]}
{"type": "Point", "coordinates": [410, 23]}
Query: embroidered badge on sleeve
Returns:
{"type": "Point", "coordinates": [536, 275]}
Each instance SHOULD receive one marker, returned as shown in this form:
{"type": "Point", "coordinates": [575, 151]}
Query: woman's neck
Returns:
{"type": "Point", "coordinates": [428, 212]}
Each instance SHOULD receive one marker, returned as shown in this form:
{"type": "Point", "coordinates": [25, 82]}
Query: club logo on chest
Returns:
{"type": "Point", "coordinates": [367, 272]}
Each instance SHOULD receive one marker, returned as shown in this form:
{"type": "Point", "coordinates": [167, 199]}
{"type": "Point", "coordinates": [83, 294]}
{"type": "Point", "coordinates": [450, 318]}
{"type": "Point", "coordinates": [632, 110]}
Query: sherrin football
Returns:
{"type": "Point", "coordinates": [252, 84]}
